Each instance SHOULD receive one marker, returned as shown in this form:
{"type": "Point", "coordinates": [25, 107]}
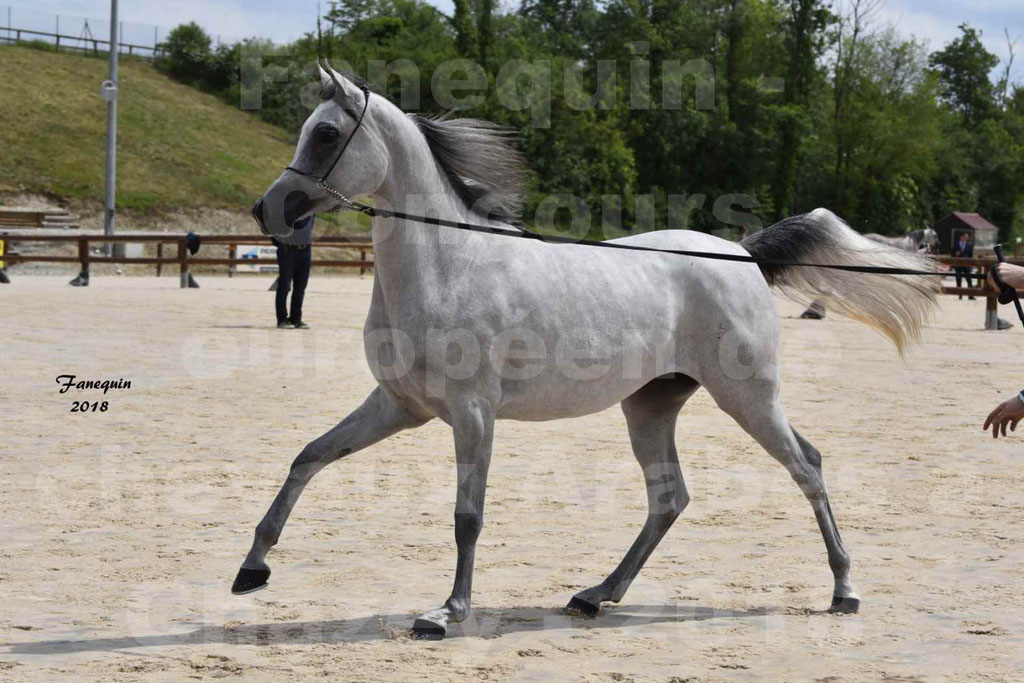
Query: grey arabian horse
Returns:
{"type": "Point", "coordinates": [471, 328]}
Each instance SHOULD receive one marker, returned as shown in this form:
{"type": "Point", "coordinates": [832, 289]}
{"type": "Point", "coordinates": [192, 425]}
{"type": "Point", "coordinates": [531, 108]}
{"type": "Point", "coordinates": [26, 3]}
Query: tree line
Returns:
{"type": "Point", "coordinates": [706, 114]}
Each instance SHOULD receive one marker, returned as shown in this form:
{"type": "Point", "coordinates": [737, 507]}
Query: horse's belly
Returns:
{"type": "Point", "coordinates": [534, 408]}
{"type": "Point", "coordinates": [554, 395]}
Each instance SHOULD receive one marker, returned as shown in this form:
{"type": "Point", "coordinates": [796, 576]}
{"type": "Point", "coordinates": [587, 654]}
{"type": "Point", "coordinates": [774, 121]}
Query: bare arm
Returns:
{"type": "Point", "coordinates": [1010, 274]}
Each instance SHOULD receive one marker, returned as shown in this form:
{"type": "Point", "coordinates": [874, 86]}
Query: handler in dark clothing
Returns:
{"type": "Point", "coordinates": [963, 249]}
{"type": "Point", "coordinates": [294, 258]}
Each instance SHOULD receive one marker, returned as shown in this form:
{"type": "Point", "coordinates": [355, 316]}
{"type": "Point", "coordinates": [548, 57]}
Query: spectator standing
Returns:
{"type": "Point", "coordinates": [294, 261]}
{"type": "Point", "coordinates": [963, 249]}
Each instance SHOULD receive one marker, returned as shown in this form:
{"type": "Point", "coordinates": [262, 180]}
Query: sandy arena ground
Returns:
{"type": "Point", "coordinates": [122, 530]}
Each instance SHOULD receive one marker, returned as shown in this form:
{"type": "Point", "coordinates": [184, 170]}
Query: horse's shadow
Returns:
{"type": "Point", "coordinates": [483, 623]}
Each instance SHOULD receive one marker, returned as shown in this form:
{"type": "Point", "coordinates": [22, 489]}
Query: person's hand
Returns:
{"type": "Point", "coordinates": [1010, 274]}
{"type": "Point", "coordinates": [1009, 412]}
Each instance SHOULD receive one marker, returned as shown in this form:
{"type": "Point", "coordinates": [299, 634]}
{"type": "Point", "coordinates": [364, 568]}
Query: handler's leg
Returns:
{"type": "Point", "coordinates": [300, 277]}
{"type": "Point", "coordinates": [376, 419]}
{"type": "Point", "coordinates": [651, 417]}
{"type": "Point", "coordinates": [473, 426]}
{"type": "Point", "coordinates": [285, 271]}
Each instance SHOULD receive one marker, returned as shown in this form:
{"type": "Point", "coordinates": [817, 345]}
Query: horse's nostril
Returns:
{"type": "Point", "coordinates": [295, 204]}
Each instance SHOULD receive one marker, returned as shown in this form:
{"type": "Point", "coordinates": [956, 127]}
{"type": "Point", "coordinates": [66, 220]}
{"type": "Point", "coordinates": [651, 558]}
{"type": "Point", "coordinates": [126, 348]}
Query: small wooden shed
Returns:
{"type": "Point", "coordinates": [981, 234]}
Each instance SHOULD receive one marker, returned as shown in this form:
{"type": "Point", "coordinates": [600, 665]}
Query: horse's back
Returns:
{"type": "Point", "coordinates": [718, 281]}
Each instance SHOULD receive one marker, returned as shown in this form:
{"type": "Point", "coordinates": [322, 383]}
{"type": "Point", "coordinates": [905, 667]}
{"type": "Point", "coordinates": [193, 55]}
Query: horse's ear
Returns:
{"type": "Point", "coordinates": [328, 84]}
{"type": "Point", "coordinates": [325, 78]}
{"type": "Point", "coordinates": [342, 86]}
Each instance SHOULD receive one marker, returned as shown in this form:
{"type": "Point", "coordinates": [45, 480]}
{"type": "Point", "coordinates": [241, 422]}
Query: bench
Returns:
{"type": "Point", "coordinates": [35, 218]}
{"type": "Point", "coordinates": [20, 218]}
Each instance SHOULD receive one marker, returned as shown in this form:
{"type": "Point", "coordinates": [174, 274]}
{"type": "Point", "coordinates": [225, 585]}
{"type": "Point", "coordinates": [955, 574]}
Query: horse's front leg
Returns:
{"type": "Point", "coordinates": [473, 427]}
{"type": "Point", "coordinates": [377, 418]}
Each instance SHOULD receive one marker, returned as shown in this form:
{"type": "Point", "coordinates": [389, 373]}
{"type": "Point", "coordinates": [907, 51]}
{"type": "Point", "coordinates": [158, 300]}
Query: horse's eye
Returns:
{"type": "Point", "coordinates": [327, 136]}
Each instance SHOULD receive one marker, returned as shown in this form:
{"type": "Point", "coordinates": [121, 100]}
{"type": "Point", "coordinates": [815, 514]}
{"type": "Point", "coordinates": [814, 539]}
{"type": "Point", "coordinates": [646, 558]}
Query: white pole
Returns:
{"type": "Point", "coordinates": [108, 223]}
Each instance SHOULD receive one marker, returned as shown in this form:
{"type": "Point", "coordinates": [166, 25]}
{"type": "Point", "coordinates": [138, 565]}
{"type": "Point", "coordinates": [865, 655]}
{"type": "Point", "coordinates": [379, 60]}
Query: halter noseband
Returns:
{"type": "Point", "coordinates": [321, 182]}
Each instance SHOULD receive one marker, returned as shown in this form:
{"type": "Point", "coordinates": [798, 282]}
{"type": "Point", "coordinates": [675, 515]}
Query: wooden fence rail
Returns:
{"type": "Point", "coordinates": [182, 259]}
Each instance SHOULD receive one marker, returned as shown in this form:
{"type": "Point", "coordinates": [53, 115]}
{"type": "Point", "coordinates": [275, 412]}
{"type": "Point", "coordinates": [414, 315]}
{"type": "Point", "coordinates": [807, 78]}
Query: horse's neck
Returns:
{"type": "Point", "coordinates": [409, 255]}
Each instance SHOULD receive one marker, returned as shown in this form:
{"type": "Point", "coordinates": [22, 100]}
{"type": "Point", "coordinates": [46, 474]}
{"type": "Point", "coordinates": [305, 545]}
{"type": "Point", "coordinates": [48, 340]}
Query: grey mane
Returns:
{"type": "Point", "coordinates": [481, 164]}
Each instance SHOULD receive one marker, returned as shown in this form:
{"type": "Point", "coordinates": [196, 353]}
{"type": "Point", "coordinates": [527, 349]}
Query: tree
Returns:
{"type": "Point", "coordinates": [465, 32]}
{"type": "Point", "coordinates": [564, 26]}
{"type": "Point", "coordinates": [484, 28]}
{"type": "Point", "coordinates": [221, 71]}
{"type": "Point", "coordinates": [348, 13]}
{"type": "Point", "coordinates": [186, 52]}
{"type": "Point", "coordinates": [735, 27]}
{"type": "Point", "coordinates": [850, 36]}
{"type": "Point", "coordinates": [804, 41]}
{"type": "Point", "coordinates": [963, 68]}
{"type": "Point", "coordinates": [1003, 88]}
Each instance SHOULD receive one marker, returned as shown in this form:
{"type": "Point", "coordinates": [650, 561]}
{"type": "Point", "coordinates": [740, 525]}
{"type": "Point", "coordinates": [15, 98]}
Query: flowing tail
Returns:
{"type": "Point", "coordinates": [895, 305]}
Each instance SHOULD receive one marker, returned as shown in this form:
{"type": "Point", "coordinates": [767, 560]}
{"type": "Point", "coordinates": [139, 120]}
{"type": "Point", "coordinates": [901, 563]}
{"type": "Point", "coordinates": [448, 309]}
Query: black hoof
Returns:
{"type": "Point", "coordinates": [581, 608]}
{"type": "Point", "coordinates": [844, 605]}
{"type": "Point", "coordinates": [250, 580]}
{"type": "Point", "coordinates": [427, 630]}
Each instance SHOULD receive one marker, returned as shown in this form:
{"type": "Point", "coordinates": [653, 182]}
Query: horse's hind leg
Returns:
{"type": "Point", "coordinates": [377, 418]}
{"type": "Point", "coordinates": [765, 421]}
{"type": "Point", "coordinates": [844, 598]}
{"type": "Point", "coordinates": [651, 417]}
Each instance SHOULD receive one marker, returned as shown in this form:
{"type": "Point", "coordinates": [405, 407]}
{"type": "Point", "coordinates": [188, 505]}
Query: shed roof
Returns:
{"type": "Point", "coordinates": [974, 220]}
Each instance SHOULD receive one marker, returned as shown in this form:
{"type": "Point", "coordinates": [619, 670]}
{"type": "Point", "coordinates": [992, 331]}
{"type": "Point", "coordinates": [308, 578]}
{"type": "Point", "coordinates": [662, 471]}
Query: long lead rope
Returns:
{"type": "Point", "coordinates": [350, 205]}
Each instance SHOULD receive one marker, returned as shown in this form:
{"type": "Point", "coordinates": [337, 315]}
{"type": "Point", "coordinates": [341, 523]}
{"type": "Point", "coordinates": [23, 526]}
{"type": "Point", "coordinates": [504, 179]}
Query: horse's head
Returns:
{"type": "Point", "coordinates": [929, 241]}
{"type": "Point", "coordinates": [341, 144]}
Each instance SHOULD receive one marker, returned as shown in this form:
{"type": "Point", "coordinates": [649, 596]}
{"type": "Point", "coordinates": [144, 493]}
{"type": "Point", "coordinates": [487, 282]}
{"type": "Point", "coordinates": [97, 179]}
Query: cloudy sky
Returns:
{"type": "Point", "coordinates": [283, 20]}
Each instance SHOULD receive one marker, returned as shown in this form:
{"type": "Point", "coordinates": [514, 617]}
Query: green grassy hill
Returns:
{"type": "Point", "coordinates": [177, 147]}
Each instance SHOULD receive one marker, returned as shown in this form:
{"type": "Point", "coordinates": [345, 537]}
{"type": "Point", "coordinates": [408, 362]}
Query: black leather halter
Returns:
{"type": "Point", "coordinates": [321, 182]}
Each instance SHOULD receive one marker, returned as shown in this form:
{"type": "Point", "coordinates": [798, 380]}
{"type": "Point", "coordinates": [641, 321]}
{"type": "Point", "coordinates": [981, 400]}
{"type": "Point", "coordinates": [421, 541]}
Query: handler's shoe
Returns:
{"type": "Point", "coordinates": [285, 325]}
{"type": "Point", "coordinates": [300, 325]}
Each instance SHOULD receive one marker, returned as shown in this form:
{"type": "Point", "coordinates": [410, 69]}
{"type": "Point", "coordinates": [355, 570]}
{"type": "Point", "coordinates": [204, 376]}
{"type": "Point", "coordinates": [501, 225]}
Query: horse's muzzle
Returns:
{"type": "Point", "coordinates": [280, 220]}
{"type": "Point", "coordinates": [257, 213]}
